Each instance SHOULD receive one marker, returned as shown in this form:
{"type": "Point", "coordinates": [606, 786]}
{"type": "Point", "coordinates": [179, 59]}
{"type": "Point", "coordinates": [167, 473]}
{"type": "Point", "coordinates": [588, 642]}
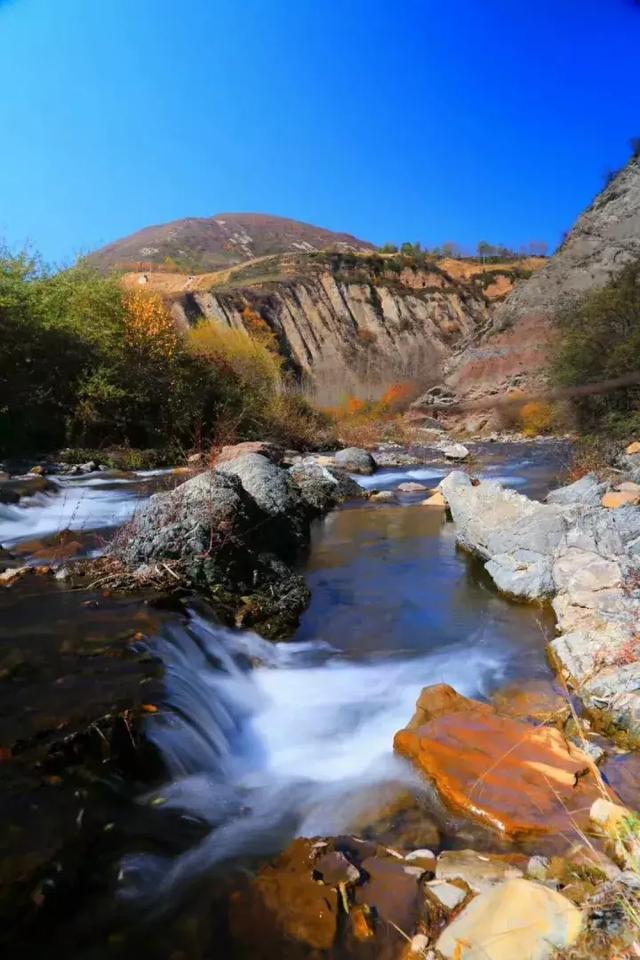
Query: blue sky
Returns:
{"type": "Point", "coordinates": [413, 120]}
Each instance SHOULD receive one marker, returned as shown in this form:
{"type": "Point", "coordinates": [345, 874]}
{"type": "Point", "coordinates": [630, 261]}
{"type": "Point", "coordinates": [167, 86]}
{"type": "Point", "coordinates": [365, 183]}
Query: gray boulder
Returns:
{"type": "Point", "coordinates": [356, 460]}
{"type": "Point", "coordinates": [320, 488]}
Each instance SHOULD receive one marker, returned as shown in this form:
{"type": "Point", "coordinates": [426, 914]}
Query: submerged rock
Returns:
{"type": "Point", "coordinates": [516, 919]}
{"type": "Point", "coordinates": [479, 871]}
{"type": "Point", "coordinates": [516, 778]}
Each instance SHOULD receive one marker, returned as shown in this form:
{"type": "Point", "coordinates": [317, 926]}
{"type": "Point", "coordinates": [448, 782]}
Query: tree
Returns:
{"type": "Point", "coordinates": [389, 248]}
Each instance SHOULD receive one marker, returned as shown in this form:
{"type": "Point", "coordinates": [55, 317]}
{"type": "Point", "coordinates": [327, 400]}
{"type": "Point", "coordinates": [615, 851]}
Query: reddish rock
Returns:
{"type": "Point", "coordinates": [513, 777]}
{"type": "Point", "coordinates": [391, 890]}
{"type": "Point", "coordinates": [285, 912]}
{"type": "Point", "coordinates": [272, 451]}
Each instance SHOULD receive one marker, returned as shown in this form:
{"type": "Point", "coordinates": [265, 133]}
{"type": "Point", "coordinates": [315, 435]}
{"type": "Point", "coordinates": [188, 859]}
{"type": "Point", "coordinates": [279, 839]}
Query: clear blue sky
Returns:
{"type": "Point", "coordinates": [415, 119]}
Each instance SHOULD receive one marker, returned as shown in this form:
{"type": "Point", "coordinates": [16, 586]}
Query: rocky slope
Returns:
{"type": "Point", "coordinates": [348, 322]}
{"type": "Point", "coordinates": [209, 243]}
{"type": "Point", "coordinates": [514, 351]}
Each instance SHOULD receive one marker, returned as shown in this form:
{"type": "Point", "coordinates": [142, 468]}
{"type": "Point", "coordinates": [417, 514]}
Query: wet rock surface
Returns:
{"type": "Point", "coordinates": [518, 779]}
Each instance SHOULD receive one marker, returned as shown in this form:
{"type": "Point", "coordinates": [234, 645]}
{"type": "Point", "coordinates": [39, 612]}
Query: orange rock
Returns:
{"type": "Point", "coordinates": [435, 500]}
{"type": "Point", "coordinates": [513, 777]}
{"type": "Point", "coordinates": [264, 447]}
{"type": "Point", "coordinates": [362, 923]}
{"type": "Point", "coordinates": [283, 904]}
{"type": "Point", "coordinates": [633, 448]}
{"type": "Point", "coordinates": [620, 498]}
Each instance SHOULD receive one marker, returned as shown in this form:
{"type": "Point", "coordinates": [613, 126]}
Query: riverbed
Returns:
{"type": "Point", "coordinates": [259, 742]}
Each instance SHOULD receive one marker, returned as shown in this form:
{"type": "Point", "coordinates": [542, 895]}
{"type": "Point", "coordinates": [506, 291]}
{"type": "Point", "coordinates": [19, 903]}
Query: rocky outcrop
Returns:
{"type": "Point", "coordinates": [584, 557]}
{"type": "Point", "coordinates": [513, 351]}
{"type": "Point", "coordinates": [518, 779]}
{"type": "Point", "coordinates": [346, 322]}
{"type": "Point", "coordinates": [233, 533]}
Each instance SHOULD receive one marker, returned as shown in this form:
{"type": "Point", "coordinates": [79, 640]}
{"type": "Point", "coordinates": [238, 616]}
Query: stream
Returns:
{"type": "Point", "coordinates": [260, 742]}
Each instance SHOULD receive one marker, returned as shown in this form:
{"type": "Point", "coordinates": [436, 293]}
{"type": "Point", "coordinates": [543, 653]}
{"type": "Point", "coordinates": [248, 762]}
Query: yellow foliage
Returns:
{"type": "Point", "coordinates": [236, 351]}
{"type": "Point", "coordinates": [536, 417]}
{"type": "Point", "coordinates": [149, 323]}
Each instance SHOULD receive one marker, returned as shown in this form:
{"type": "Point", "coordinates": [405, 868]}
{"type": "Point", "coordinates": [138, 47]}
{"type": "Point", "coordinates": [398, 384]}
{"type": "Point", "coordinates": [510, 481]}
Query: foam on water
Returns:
{"type": "Point", "coordinates": [84, 503]}
{"type": "Point", "coordinates": [295, 743]}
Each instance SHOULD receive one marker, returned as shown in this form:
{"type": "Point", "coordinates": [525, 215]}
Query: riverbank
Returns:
{"type": "Point", "coordinates": [260, 742]}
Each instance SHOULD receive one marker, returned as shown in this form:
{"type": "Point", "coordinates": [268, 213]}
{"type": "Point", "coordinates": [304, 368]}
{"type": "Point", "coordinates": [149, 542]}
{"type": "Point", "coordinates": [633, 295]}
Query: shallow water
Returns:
{"type": "Point", "coordinates": [264, 742]}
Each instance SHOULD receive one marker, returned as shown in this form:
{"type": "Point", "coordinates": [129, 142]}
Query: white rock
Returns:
{"type": "Point", "coordinates": [455, 451]}
{"type": "Point", "coordinates": [448, 894]}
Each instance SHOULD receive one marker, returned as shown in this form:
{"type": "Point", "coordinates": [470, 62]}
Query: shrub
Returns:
{"type": "Point", "coordinates": [536, 417]}
{"type": "Point", "coordinates": [600, 340]}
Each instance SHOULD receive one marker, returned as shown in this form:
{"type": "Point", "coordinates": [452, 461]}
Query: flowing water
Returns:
{"type": "Point", "coordinates": [261, 741]}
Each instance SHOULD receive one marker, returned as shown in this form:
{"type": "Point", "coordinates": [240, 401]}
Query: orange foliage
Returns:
{"type": "Point", "coordinates": [397, 395]}
{"type": "Point", "coordinates": [149, 323]}
{"type": "Point", "coordinates": [536, 417]}
{"type": "Point", "coordinates": [259, 330]}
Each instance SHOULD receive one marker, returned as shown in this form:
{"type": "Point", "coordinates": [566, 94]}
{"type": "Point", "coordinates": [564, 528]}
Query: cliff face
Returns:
{"type": "Point", "coordinates": [514, 351]}
{"type": "Point", "coordinates": [347, 323]}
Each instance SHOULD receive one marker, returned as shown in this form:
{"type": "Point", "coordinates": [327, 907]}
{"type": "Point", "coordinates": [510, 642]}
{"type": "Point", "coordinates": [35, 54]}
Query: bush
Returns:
{"type": "Point", "coordinates": [599, 341]}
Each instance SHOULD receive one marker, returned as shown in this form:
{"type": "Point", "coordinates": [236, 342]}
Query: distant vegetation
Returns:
{"type": "Point", "coordinates": [84, 362]}
{"type": "Point", "coordinates": [484, 251]}
{"type": "Point", "coordinates": [600, 340]}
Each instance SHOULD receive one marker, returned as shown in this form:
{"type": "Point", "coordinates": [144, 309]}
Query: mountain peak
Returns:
{"type": "Point", "coordinates": [199, 244]}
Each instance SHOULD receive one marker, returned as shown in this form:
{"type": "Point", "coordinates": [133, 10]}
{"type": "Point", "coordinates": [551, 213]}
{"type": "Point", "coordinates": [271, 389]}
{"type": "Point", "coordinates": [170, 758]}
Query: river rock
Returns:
{"type": "Point", "coordinates": [392, 889]}
{"type": "Point", "coordinates": [479, 871]}
{"type": "Point", "coordinates": [355, 460]}
{"type": "Point", "coordinates": [265, 448]}
{"type": "Point", "coordinates": [448, 895]}
{"type": "Point", "coordinates": [455, 451]}
{"type": "Point", "coordinates": [532, 699]}
{"type": "Point", "coordinates": [270, 487]}
{"type": "Point", "coordinates": [285, 906]}
{"type": "Point", "coordinates": [382, 496]}
{"type": "Point", "coordinates": [411, 487]}
{"type": "Point", "coordinates": [514, 777]}
{"type": "Point", "coordinates": [226, 544]}
{"type": "Point", "coordinates": [435, 500]}
{"type": "Point", "coordinates": [322, 488]}
{"type": "Point", "coordinates": [514, 920]}
{"type": "Point", "coordinates": [633, 448]}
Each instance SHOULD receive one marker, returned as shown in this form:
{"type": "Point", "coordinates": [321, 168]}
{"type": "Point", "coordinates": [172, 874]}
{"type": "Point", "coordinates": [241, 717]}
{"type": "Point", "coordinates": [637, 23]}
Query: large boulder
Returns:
{"type": "Point", "coordinates": [516, 919]}
{"type": "Point", "coordinates": [516, 778]}
{"type": "Point", "coordinates": [266, 448]}
{"type": "Point", "coordinates": [455, 451]}
{"type": "Point", "coordinates": [229, 534]}
{"type": "Point", "coordinates": [355, 460]}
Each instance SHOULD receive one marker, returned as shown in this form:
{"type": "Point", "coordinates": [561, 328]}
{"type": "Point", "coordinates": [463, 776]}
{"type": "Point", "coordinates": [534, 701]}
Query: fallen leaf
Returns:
{"type": "Point", "coordinates": [149, 708]}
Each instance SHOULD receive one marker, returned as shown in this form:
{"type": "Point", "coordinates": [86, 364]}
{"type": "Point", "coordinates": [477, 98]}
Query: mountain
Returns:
{"type": "Point", "coordinates": [514, 350]}
{"type": "Point", "coordinates": [198, 244]}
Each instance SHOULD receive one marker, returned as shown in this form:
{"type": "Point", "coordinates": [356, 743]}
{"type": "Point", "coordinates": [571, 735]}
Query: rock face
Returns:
{"type": "Point", "coordinates": [233, 533]}
{"type": "Point", "coordinates": [514, 920]}
{"type": "Point", "coordinates": [582, 555]}
{"type": "Point", "coordinates": [345, 321]}
{"type": "Point", "coordinates": [513, 351]}
{"type": "Point", "coordinates": [516, 778]}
